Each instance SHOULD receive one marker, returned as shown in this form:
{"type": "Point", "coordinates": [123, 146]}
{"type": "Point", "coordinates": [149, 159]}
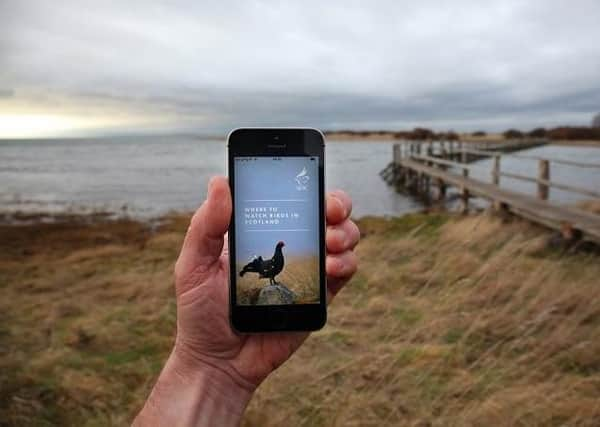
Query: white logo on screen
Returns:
{"type": "Point", "coordinates": [302, 180]}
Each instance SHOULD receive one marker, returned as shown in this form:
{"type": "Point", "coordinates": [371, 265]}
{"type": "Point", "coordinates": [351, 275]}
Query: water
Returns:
{"type": "Point", "coordinates": [150, 176]}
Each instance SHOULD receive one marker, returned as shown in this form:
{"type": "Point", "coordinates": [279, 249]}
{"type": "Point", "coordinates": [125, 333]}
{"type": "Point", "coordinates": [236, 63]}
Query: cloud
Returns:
{"type": "Point", "coordinates": [464, 64]}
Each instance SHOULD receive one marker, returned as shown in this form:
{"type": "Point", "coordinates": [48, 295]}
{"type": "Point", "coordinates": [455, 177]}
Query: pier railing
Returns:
{"type": "Point", "coordinates": [421, 167]}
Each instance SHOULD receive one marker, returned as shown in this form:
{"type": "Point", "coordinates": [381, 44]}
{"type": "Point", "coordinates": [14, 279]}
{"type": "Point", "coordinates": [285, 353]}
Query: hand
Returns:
{"type": "Point", "coordinates": [206, 349]}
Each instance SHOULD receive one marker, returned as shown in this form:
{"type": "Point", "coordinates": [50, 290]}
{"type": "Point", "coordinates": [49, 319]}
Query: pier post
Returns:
{"type": "Point", "coordinates": [414, 182]}
{"type": "Point", "coordinates": [543, 175]}
{"type": "Point", "coordinates": [496, 170]}
{"type": "Point", "coordinates": [465, 193]}
{"type": "Point", "coordinates": [396, 156]}
{"type": "Point", "coordinates": [463, 153]}
{"type": "Point", "coordinates": [441, 189]}
{"type": "Point", "coordinates": [427, 188]}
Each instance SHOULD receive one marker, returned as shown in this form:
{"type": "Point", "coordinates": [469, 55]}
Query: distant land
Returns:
{"type": "Point", "coordinates": [580, 135]}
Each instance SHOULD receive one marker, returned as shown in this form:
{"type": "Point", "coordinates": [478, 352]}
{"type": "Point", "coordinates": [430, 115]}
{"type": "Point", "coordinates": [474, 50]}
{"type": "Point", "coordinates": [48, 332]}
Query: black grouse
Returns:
{"type": "Point", "coordinates": [266, 268]}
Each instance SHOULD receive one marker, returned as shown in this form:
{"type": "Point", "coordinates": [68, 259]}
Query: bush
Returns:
{"type": "Point", "coordinates": [573, 133]}
{"type": "Point", "coordinates": [513, 133]}
{"type": "Point", "coordinates": [479, 133]}
{"type": "Point", "coordinates": [537, 133]}
{"type": "Point", "coordinates": [422, 133]}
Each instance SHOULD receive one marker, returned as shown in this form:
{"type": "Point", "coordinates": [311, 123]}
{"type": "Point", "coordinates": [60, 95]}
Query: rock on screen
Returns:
{"type": "Point", "coordinates": [277, 230]}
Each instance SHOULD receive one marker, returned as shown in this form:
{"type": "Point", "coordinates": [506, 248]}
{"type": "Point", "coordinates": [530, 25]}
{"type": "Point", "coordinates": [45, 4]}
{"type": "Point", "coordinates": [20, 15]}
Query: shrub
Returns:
{"type": "Point", "coordinates": [573, 133]}
{"type": "Point", "coordinates": [513, 133]}
{"type": "Point", "coordinates": [537, 133]}
{"type": "Point", "coordinates": [422, 133]}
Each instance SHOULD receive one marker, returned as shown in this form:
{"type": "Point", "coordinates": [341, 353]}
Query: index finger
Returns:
{"type": "Point", "coordinates": [339, 207]}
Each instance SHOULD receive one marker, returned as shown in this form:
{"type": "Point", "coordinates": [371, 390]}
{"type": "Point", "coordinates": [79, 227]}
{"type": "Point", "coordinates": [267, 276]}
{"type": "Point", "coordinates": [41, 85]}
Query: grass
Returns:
{"type": "Point", "coordinates": [450, 321]}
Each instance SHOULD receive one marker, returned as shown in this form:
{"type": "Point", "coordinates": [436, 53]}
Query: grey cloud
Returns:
{"type": "Point", "coordinates": [465, 65]}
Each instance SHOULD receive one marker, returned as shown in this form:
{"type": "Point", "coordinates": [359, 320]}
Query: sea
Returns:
{"type": "Point", "coordinates": [149, 176]}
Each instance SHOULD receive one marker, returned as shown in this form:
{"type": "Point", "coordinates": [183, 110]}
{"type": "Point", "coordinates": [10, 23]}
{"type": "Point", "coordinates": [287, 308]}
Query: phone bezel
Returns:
{"type": "Point", "coordinates": [277, 142]}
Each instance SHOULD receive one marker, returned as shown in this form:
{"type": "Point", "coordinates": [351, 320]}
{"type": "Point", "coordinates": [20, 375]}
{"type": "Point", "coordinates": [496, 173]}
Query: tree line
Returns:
{"type": "Point", "coordinates": [561, 132]}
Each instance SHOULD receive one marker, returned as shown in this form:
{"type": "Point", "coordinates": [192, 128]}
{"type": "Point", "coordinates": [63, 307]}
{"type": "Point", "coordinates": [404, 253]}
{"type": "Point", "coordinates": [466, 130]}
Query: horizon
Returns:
{"type": "Point", "coordinates": [80, 70]}
{"type": "Point", "coordinates": [213, 136]}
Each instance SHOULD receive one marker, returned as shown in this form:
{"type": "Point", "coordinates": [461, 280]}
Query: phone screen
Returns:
{"type": "Point", "coordinates": [277, 230]}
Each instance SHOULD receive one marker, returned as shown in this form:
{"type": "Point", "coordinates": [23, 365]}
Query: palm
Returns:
{"type": "Point", "coordinates": [203, 321]}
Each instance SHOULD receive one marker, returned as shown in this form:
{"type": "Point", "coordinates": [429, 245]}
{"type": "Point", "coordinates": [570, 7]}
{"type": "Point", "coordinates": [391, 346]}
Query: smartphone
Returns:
{"type": "Point", "coordinates": [277, 230]}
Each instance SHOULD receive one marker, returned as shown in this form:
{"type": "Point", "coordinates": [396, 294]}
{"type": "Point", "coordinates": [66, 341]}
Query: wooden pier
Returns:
{"type": "Point", "coordinates": [427, 168]}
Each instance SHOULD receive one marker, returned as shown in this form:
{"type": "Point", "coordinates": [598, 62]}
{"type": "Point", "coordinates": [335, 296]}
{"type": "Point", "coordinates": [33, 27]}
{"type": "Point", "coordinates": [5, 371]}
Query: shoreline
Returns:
{"type": "Point", "coordinates": [19, 218]}
{"type": "Point", "coordinates": [345, 137]}
{"type": "Point", "coordinates": [32, 223]}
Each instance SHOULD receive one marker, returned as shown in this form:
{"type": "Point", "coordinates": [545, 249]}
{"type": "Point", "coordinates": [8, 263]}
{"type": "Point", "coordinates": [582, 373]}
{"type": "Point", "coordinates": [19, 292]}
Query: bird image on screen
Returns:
{"type": "Point", "coordinates": [267, 268]}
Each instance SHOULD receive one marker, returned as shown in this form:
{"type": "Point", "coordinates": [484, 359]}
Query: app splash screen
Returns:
{"type": "Point", "coordinates": [277, 230]}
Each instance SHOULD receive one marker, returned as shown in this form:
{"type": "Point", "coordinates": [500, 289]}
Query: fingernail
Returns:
{"type": "Point", "coordinates": [341, 204]}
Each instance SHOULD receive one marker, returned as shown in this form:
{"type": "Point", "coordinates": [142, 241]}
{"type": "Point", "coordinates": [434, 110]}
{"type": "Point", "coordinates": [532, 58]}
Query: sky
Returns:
{"type": "Point", "coordinates": [90, 68]}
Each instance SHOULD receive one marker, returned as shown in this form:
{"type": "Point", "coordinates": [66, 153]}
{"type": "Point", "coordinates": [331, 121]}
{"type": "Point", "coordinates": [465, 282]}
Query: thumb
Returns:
{"type": "Point", "coordinates": [203, 241]}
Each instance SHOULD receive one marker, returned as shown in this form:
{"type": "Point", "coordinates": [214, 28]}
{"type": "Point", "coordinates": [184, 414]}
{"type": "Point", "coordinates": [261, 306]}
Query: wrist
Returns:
{"type": "Point", "coordinates": [188, 362]}
{"type": "Point", "coordinates": [195, 392]}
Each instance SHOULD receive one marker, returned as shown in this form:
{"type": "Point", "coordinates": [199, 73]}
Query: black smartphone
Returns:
{"type": "Point", "coordinates": [277, 230]}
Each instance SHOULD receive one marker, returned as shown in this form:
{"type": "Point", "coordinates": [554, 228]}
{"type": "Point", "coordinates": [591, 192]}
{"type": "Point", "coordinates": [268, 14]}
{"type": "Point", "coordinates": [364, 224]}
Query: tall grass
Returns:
{"type": "Point", "coordinates": [449, 321]}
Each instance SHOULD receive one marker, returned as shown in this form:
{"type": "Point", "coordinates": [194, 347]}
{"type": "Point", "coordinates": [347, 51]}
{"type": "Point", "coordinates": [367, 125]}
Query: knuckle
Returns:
{"type": "Point", "coordinates": [196, 218]}
{"type": "Point", "coordinates": [178, 271]}
{"type": "Point", "coordinates": [352, 262]}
